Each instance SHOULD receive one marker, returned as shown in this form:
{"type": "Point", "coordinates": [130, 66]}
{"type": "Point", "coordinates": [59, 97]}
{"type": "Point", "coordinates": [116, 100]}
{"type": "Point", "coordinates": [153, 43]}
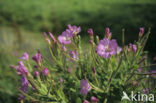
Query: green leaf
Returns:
{"type": "Point", "coordinates": [78, 100]}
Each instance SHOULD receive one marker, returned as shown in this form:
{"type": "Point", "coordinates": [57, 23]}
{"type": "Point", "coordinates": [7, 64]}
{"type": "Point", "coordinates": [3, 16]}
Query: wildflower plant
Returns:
{"type": "Point", "coordinates": [98, 74]}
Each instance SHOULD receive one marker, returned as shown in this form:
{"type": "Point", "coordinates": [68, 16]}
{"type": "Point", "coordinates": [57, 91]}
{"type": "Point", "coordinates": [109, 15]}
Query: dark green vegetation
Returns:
{"type": "Point", "coordinates": [54, 15]}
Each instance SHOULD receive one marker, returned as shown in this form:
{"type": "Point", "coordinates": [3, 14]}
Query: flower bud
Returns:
{"type": "Point", "coordinates": [37, 58]}
{"type": "Point", "coordinates": [45, 71]}
{"type": "Point", "coordinates": [36, 73]}
{"type": "Point", "coordinates": [46, 38]}
{"type": "Point", "coordinates": [52, 37]}
{"type": "Point", "coordinates": [93, 70]}
{"type": "Point", "coordinates": [94, 99]}
{"type": "Point", "coordinates": [85, 101]}
{"type": "Point", "coordinates": [134, 48]}
{"type": "Point", "coordinates": [90, 32]}
{"type": "Point", "coordinates": [108, 33]}
{"type": "Point", "coordinates": [141, 32]}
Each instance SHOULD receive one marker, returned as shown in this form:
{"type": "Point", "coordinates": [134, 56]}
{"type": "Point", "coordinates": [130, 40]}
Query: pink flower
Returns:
{"type": "Point", "coordinates": [65, 37]}
{"type": "Point", "coordinates": [25, 56]}
{"type": "Point", "coordinates": [85, 87]}
{"type": "Point", "coordinates": [74, 29]}
{"type": "Point", "coordinates": [107, 47]}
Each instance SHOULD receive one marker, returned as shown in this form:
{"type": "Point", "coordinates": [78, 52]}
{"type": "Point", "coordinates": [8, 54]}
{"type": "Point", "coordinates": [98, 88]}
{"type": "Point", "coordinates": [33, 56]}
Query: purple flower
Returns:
{"type": "Point", "coordinates": [45, 71]}
{"type": "Point", "coordinates": [85, 87]}
{"type": "Point", "coordinates": [141, 31]}
{"type": "Point", "coordinates": [85, 101]}
{"type": "Point", "coordinates": [24, 83]}
{"type": "Point", "coordinates": [107, 47]}
{"type": "Point", "coordinates": [52, 37]}
{"type": "Point", "coordinates": [21, 69]}
{"type": "Point", "coordinates": [24, 86]}
{"type": "Point", "coordinates": [37, 58]}
{"type": "Point", "coordinates": [108, 33]}
{"type": "Point", "coordinates": [74, 54]}
{"type": "Point", "coordinates": [36, 73]}
{"type": "Point", "coordinates": [94, 99]}
{"type": "Point", "coordinates": [74, 29]}
{"type": "Point", "coordinates": [90, 32]}
{"type": "Point", "coordinates": [25, 56]}
{"type": "Point", "coordinates": [65, 37]}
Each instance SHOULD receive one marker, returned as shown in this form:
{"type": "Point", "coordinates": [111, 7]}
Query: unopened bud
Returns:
{"type": "Point", "coordinates": [46, 38]}
{"type": "Point", "coordinates": [141, 32]}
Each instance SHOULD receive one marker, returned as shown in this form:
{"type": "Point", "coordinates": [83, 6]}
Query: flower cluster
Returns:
{"type": "Point", "coordinates": [75, 75]}
{"type": "Point", "coordinates": [66, 36]}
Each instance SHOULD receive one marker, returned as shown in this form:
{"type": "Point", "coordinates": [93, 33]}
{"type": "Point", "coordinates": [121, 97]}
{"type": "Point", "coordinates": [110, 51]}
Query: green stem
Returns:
{"type": "Point", "coordinates": [49, 89]}
{"type": "Point", "coordinates": [54, 57]}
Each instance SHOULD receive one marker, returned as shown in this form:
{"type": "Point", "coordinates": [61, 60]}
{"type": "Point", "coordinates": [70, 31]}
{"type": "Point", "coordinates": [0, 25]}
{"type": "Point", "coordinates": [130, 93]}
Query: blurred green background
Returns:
{"type": "Point", "coordinates": [23, 21]}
